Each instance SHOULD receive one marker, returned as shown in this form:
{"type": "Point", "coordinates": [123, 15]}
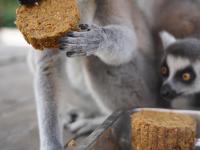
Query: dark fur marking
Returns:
{"type": "Point", "coordinates": [187, 48]}
{"type": "Point", "coordinates": [179, 74]}
{"type": "Point", "coordinates": [46, 68]}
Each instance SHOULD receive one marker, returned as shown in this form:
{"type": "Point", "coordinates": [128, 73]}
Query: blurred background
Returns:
{"type": "Point", "coordinates": [7, 12]}
{"type": "Point", "coordinates": [18, 123]}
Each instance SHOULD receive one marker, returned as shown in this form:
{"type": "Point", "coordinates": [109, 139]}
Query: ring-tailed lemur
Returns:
{"type": "Point", "coordinates": [180, 66]}
{"type": "Point", "coordinates": [117, 66]}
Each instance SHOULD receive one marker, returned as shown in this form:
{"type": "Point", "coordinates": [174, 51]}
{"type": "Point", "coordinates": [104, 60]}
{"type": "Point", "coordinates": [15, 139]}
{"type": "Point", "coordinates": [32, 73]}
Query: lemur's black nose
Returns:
{"type": "Point", "coordinates": [27, 2]}
{"type": "Point", "coordinates": [167, 92]}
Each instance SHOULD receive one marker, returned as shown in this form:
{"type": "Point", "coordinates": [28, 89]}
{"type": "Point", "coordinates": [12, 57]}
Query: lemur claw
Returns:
{"type": "Point", "coordinates": [83, 43]}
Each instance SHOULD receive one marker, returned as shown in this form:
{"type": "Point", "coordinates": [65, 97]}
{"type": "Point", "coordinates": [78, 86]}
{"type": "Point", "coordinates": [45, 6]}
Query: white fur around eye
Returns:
{"type": "Point", "coordinates": [167, 39]}
{"type": "Point", "coordinates": [176, 63]}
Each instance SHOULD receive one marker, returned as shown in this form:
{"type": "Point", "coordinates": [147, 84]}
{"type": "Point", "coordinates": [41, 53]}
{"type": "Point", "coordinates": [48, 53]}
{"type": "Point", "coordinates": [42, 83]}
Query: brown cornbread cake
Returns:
{"type": "Point", "coordinates": [162, 131]}
{"type": "Point", "coordinates": [42, 25]}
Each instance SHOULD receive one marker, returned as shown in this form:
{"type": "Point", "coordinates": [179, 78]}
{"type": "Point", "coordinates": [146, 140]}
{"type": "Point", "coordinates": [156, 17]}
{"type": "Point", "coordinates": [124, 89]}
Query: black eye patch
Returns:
{"type": "Point", "coordinates": [188, 70]}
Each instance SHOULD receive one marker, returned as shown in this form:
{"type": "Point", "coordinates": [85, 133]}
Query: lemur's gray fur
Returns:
{"type": "Point", "coordinates": [116, 66]}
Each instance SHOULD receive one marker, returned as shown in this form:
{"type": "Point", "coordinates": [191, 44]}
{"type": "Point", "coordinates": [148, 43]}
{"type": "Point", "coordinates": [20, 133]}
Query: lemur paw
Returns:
{"type": "Point", "coordinates": [84, 126]}
{"type": "Point", "coordinates": [83, 43]}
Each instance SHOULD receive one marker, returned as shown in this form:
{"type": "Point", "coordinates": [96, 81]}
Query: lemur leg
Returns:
{"type": "Point", "coordinates": [113, 44]}
{"type": "Point", "coordinates": [46, 83]}
{"type": "Point", "coordinates": [72, 113]}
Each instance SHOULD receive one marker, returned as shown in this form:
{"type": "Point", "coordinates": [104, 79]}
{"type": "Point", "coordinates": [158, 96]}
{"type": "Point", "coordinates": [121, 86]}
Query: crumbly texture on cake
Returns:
{"type": "Point", "coordinates": [162, 131]}
{"type": "Point", "coordinates": [42, 25]}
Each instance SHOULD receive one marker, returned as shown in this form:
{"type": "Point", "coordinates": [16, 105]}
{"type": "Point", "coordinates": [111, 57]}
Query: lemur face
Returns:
{"type": "Point", "coordinates": [180, 76]}
{"type": "Point", "coordinates": [180, 67]}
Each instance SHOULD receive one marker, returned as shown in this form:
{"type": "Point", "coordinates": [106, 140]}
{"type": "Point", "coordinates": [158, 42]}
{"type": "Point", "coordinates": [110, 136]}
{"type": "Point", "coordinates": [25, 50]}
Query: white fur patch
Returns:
{"type": "Point", "coordinates": [167, 39]}
{"type": "Point", "coordinates": [175, 64]}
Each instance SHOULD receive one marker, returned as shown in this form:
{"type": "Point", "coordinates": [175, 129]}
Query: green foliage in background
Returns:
{"type": "Point", "coordinates": [7, 12]}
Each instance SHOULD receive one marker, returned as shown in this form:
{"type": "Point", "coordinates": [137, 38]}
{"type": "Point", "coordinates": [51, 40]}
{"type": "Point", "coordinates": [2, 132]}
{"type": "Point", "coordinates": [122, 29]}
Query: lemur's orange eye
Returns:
{"type": "Point", "coordinates": [164, 71]}
{"type": "Point", "coordinates": [186, 77]}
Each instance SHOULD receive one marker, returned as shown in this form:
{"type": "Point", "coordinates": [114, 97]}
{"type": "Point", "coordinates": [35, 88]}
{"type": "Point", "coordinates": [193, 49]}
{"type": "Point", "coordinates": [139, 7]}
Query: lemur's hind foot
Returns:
{"type": "Point", "coordinates": [81, 126]}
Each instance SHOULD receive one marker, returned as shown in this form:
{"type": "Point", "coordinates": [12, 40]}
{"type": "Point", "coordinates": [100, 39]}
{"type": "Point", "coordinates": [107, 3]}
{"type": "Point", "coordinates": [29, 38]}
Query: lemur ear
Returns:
{"type": "Point", "coordinates": [167, 39]}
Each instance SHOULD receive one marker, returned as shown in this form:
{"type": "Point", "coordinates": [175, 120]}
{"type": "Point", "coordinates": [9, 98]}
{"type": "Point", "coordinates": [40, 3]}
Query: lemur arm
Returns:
{"type": "Point", "coordinates": [112, 38]}
{"type": "Point", "coordinates": [119, 45]}
{"type": "Point", "coordinates": [46, 84]}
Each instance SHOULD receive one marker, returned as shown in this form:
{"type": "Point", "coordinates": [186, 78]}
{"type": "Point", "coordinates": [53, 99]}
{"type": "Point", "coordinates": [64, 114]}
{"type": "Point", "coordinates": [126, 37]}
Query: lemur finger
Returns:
{"type": "Point", "coordinates": [72, 47]}
{"type": "Point", "coordinates": [90, 36]}
{"type": "Point", "coordinates": [75, 54]}
{"type": "Point", "coordinates": [72, 40]}
{"type": "Point", "coordinates": [77, 34]}
{"type": "Point", "coordinates": [79, 48]}
{"type": "Point", "coordinates": [86, 27]}
{"type": "Point", "coordinates": [83, 52]}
